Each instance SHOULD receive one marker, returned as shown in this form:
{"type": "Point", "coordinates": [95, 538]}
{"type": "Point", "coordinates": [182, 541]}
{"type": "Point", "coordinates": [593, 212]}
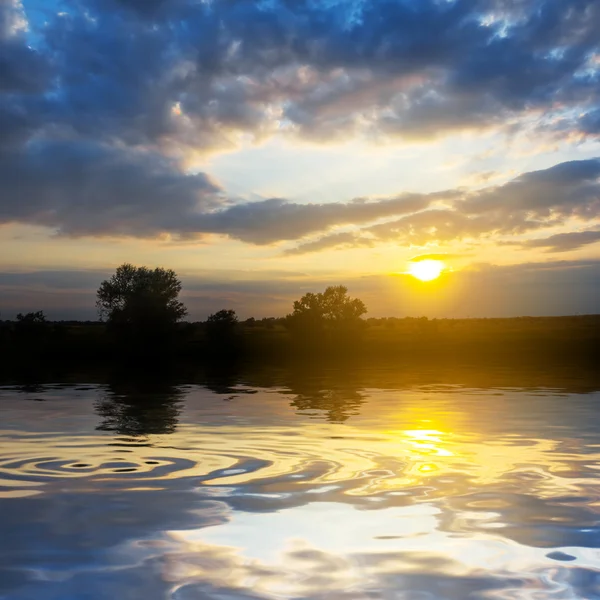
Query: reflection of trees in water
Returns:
{"type": "Point", "coordinates": [221, 377]}
{"type": "Point", "coordinates": [339, 405]}
{"type": "Point", "coordinates": [140, 406]}
{"type": "Point", "coordinates": [137, 404]}
{"type": "Point", "coordinates": [30, 388]}
{"type": "Point", "coordinates": [330, 393]}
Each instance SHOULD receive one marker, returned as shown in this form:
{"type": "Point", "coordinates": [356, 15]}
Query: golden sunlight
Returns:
{"type": "Point", "coordinates": [426, 270]}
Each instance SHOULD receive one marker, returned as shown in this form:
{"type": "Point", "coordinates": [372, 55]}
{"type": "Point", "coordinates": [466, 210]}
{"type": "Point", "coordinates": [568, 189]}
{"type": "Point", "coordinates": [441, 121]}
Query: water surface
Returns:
{"type": "Point", "coordinates": [342, 484]}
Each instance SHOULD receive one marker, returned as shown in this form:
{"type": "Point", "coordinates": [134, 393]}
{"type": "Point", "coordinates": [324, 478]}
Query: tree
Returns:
{"type": "Point", "coordinates": [221, 328]}
{"type": "Point", "coordinates": [333, 305]}
{"type": "Point", "coordinates": [331, 310]}
{"type": "Point", "coordinates": [32, 327]}
{"type": "Point", "coordinates": [141, 302]}
{"type": "Point", "coordinates": [31, 319]}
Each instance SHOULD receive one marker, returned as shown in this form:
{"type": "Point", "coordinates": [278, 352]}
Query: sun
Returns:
{"type": "Point", "coordinates": [426, 270]}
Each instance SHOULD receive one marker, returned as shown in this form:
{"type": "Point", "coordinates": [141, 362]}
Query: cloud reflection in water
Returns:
{"type": "Point", "coordinates": [421, 492]}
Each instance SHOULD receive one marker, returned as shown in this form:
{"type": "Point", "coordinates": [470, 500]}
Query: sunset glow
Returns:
{"type": "Point", "coordinates": [303, 145]}
{"type": "Point", "coordinates": [426, 270]}
{"type": "Point", "coordinates": [299, 299]}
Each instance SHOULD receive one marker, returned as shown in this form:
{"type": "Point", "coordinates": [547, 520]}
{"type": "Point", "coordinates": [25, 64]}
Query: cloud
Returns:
{"type": "Point", "coordinates": [335, 240]}
{"type": "Point", "coordinates": [85, 189]}
{"type": "Point", "coordinates": [182, 74]}
{"type": "Point", "coordinates": [439, 256]}
{"type": "Point", "coordinates": [590, 122]}
{"type": "Point", "coordinates": [563, 242]}
{"type": "Point", "coordinates": [22, 69]}
{"type": "Point", "coordinates": [277, 220]}
{"type": "Point", "coordinates": [91, 189]}
{"type": "Point", "coordinates": [567, 189]}
{"type": "Point", "coordinates": [530, 202]}
{"type": "Point", "coordinates": [101, 102]}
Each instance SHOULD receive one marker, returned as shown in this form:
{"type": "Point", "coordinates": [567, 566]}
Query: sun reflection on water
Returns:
{"type": "Point", "coordinates": [443, 492]}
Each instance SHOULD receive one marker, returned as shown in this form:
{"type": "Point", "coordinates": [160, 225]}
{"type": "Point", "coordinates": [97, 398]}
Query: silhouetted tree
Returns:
{"type": "Point", "coordinates": [225, 318]}
{"type": "Point", "coordinates": [141, 305]}
{"type": "Point", "coordinates": [31, 328]}
{"type": "Point", "coordinates": [221, 330]}
{"type": "Point", "coordinates": [32, 319]}
{"type": "Point", "coordinates": [332, 311]}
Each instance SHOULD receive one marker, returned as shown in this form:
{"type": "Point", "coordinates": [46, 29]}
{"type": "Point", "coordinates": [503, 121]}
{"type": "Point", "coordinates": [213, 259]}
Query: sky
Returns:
{"type": "Point", "coordinates": [266, 149]}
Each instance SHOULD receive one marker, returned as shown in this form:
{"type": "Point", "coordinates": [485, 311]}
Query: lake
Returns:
{"type": "Point", "coordinates": [350, 483]}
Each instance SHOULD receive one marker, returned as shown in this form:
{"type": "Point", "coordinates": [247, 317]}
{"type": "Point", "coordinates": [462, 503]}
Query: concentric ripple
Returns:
{"type": "Point", "coordinates": [423, 492]}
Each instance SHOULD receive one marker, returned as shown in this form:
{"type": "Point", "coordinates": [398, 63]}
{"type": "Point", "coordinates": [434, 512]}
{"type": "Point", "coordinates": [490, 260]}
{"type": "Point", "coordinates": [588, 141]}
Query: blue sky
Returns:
{"type": "Point", "coordinates": [300, 142]}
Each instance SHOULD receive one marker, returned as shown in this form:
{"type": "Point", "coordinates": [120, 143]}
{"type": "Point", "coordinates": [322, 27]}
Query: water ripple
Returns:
{"type": "Point", "coordinates": [434, 491]}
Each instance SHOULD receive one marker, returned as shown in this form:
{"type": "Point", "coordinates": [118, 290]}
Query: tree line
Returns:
{"type": "Point", "coordinates": [141, 314]}
{"type": "Point", "coordinates": [141, 311]}
{"type": "Point", "coordinates": [138, 303]}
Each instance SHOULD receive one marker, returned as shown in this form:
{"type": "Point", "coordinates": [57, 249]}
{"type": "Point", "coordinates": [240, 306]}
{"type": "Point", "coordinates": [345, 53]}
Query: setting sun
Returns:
{"type": "Point", "coordinates": [426, 270]}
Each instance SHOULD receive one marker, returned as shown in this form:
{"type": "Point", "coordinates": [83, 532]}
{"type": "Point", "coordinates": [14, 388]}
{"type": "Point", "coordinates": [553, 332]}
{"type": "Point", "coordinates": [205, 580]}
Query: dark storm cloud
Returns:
{"type": "Point", "coordinates": [567, 189]}
{"type": "Point", "coordinates": [85, 189]}
{"type": "Point", "coordinates": [22, 69]}
{"type": "Point", "coordinates": [92, 99]}
{"type": "Point", "coordinates": [276, 220]}
{"type": "Point", "coordinates": [17, 124]}
{"type": "Point", "coordinates": [393, 66]}
{"type": "Point", "coordinates": [590, 122]}
{"type": "Point", "coordinates": [148, 8]}
{"type": "Point", "coordinates": [89, 189]}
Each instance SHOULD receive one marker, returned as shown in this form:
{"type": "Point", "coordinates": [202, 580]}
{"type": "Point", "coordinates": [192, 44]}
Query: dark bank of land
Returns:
{"type": "Point", "coordinates": [523, 338]}
{"type": "Point", "coordinates": [143, 319]}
